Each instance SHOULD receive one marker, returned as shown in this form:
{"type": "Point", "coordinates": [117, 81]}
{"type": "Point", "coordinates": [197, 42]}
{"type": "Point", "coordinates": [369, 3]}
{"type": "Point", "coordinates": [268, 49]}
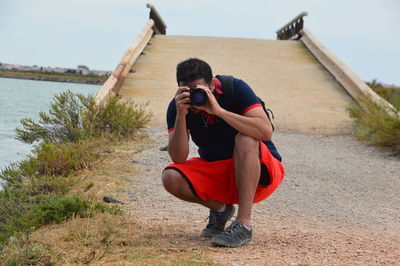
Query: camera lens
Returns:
{"type": "Point", "coordinates": [198, 96]}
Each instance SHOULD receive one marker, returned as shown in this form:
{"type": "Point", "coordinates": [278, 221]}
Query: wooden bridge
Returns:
{"type": "Point", "coordinates": [339, 200]}
{"type": "Point", "coordinates": [306, 86]}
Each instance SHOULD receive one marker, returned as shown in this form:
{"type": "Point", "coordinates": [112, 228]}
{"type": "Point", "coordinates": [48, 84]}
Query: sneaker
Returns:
{"type": "Point", "coordinates": [217, 221]}
{"type": "Point", "coordinates": [235, 235]}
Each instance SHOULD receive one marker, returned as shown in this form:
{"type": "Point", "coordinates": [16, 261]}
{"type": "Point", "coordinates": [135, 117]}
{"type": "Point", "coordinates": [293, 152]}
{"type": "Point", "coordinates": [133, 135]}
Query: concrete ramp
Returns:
{"type": "Point", "coordinates": [339, 200]}
{"type": "Point", "coordinates": [304, 97]}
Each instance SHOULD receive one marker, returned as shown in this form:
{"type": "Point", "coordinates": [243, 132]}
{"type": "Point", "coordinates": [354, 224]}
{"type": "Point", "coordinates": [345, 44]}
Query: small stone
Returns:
{"type": "Point", "coordinates": [164, 148]}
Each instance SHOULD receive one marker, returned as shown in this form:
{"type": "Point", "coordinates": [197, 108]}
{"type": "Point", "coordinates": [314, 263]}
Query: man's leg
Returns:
{"type": "Point", "coordinates": [178, 186]}
{"type": "Point", "coordinates": [247, 172]}
{"type": "Point", "coordinates": [220, 213]}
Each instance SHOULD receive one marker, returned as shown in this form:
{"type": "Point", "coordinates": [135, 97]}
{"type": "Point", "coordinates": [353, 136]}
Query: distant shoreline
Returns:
{"type": "Point", "coordinates": [56, 77]}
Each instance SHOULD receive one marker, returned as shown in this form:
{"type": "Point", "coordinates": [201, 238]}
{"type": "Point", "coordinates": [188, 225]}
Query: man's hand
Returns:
{"type": "Point", "coordinates": [182, 101]}
{"type": "Point", "coordinates": [211, 106]}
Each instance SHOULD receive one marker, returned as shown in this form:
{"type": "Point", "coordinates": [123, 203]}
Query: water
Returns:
{"type": "Point", "coordinates": [25, 99]}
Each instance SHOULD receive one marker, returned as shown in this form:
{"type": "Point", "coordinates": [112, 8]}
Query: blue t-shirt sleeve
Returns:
{"type": "Point", "coordinates": [245, 96]}
{"type": "Point", "coordinates": [171, 115]}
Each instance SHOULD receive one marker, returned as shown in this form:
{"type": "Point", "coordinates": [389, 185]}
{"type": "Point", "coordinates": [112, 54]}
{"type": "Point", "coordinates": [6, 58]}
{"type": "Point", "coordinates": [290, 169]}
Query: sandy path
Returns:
{"type": "Point", "coordinates": [338, 205]}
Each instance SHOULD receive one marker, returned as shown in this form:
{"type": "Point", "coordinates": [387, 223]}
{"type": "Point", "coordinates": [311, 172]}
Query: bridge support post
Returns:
{"type": "Point", "coordinates": [291, 30]}
{"type": "Point", "coordinates": [155, 25]}
{"type": "Point", "coordinates": [159, 26]}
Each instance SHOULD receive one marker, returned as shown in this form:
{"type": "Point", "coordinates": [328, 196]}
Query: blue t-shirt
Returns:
{"type": "Point", "coordinates": [214, 137]}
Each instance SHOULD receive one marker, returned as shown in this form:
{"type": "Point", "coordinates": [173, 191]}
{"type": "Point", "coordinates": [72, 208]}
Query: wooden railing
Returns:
{"type": "Point", "coordinates": [291, 30]}
{"type": "Point", "coordinates": [349, 81]}
{"type": "Point", "coordinates": [118, 76]}
{"type": "Point", "coordinates": [159, 25]}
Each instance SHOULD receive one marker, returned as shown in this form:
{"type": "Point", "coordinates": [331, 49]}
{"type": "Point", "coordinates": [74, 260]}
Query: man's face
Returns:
{"type": "Point", "coordinates": [194, 83]}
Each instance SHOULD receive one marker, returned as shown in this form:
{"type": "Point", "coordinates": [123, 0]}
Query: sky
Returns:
{"type": "Point", "coordinates": [364, 34]}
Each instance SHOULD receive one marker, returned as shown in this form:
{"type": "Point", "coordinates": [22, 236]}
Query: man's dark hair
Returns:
{"type": "Point", "coordinates": [192, 69]}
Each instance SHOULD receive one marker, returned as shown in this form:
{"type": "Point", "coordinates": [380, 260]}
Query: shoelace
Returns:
{"type": "Point", "coordinates": [212, 217]}
{"type": "Point", "coordinates": [230, 229]}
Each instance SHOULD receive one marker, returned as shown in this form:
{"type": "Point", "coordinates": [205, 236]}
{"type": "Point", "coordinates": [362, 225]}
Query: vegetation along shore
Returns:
{"type": "Point", "coordinates": [80, 74]}
{"type": "Point", "coordinates": [64, 204]}
{"type": "Point", "coordinates": [374, 125]}
{"type": "Point", "coordinates": [66, 180]}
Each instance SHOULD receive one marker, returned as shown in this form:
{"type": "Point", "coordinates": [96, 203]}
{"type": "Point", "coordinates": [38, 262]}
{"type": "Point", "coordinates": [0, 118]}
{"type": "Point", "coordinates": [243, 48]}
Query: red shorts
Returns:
{"type": "Point", "coordinates": [216, 180]}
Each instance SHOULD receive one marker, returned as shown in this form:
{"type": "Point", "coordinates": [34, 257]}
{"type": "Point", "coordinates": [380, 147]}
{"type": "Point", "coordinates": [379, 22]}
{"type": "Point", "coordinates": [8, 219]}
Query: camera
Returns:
{"type": "Point", "coordinates": [198, 96]}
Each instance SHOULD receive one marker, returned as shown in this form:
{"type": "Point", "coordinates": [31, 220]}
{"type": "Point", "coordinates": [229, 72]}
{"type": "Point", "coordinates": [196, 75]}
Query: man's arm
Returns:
{"type": "Point", "coordinates": [178, 142]}
{"type": "Point", "coordinates": [253, 123]}
{"type": "Point", "coordinates": [178, 139]}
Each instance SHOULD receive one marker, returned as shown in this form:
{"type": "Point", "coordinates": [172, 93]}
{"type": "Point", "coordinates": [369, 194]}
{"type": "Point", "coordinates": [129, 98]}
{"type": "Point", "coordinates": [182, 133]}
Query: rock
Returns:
{"type": "Point", "coordinates": [111, 200]}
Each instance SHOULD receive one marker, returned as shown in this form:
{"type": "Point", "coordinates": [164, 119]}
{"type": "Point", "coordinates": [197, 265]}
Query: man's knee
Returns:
{"type": "Point", "coordinates": [172, 180]}
{"type": "Point", "coordinates": [245, 144]}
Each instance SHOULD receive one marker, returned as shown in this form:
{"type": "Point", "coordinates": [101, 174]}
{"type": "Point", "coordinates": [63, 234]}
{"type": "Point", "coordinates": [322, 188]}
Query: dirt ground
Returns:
{"type": "Point", "coordinates": [338, 205]}
{"type": "Point", "coordinates": [339, 201]}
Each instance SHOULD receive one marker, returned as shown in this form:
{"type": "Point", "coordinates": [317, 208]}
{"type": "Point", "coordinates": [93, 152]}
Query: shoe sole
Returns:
{"type": "Point", "coordinates": [221, 243]}
{"type": "Point", "coordinates": [208, 234]}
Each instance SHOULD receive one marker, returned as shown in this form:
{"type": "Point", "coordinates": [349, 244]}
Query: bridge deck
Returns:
{"type": "Point", "coordinates": [303, 95]}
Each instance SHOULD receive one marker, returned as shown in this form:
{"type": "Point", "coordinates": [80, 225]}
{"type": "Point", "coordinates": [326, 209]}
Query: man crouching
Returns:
{"type": "Point", "coordinates": [238, 162]}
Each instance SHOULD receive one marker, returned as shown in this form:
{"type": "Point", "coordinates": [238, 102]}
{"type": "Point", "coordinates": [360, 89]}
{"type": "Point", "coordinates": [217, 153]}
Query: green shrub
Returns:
{"type": "Point", "coordinates": [50, 159]}
{"type": "Point", "coordinates": [64, 122]}
{"type": "Point", "coordinates": [22, 251]}
{"type": "Point", "coordinates": [36, 184]}
{"type": "Point", "coordinates": [13, 204]}
{"type": "Point", "coordinates": [375, 126]}
{"type": "Point", "coordinates": [23, 212]}
{"type": "Point", "coordinates": [54, 209]}
{"type": "Point", "coordinates": [116, 119]}
{"type": "Point", "coordinates": [50, 184]}
{"type": "Point", "coordinates": [63, 158]}
{"type": "Point", "coordinates": [16, 173]}
{"type": "Point", "coordinates": [74, 117]}
{"type": "Point", "coordinates": [392, 95]}
{"type": "Point", "coordinates": [35, 191]}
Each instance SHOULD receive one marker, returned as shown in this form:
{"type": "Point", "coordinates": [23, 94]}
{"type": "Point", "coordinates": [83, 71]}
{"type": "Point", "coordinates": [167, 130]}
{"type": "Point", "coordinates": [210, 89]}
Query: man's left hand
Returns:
{"type": "Point", "coordinates": [211, 106]}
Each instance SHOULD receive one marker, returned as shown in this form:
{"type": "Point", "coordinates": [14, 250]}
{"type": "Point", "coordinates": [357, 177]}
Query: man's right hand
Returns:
{"type": "Point", "coordinates": [182, 101]}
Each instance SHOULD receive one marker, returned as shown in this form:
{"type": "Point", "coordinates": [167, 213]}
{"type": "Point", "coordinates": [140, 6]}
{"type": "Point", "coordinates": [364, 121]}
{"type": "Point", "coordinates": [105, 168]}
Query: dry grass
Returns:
{"type": "Point", "coordinates": [375, 126]}
{"type": "Point", "coordinates": [111, 175]}
{"type": "Point", "coordinates": [113, 240]}
{"type": "Point", "coordinates": [106, 239]}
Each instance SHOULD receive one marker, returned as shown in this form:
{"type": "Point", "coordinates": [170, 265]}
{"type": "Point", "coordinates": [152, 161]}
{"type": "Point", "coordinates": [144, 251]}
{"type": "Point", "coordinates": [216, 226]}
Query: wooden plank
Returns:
{"type": "Point", "coordinates": [106, 90]}
{"type": "Point", "coordinates": [116, 79]}
{"type": "Point", "coordinates": [347, 78]}
{"type": "Point", "coordinates": [285, 74]}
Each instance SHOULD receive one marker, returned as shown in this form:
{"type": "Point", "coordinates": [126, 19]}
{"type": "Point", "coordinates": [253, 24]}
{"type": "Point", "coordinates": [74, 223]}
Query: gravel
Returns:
{"type": "Point", "coordinates": [339, 196]}
{"type": "Point", "coordinates": [336, 177]}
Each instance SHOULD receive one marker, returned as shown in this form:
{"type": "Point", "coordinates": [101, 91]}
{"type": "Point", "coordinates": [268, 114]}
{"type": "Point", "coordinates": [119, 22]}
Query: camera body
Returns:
{"type": "Point", "coordinates": [198, 96]}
